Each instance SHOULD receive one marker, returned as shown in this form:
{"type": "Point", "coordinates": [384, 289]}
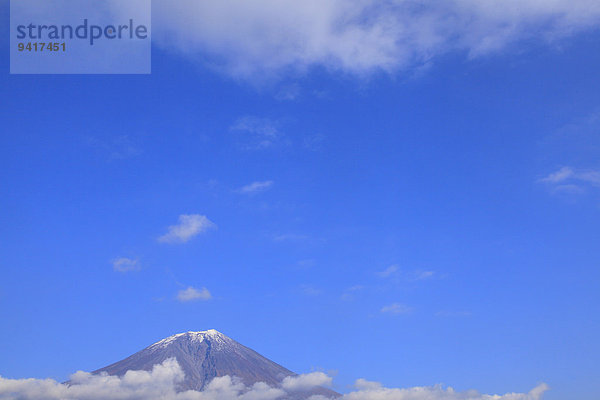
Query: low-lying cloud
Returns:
{"type": "Point", "coordinates": [306, 381]}
{"type": "Point", "coordinates": [161, 382]}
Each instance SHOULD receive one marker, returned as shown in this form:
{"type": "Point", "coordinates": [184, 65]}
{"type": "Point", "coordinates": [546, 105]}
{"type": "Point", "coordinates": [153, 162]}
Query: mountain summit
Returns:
{"type": "Point", "coordinates": [206, 355]}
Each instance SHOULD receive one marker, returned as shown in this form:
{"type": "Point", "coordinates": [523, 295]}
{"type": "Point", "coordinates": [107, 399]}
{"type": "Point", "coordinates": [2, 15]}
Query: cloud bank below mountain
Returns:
{"type": "Point", "coordinates": [161, 382]}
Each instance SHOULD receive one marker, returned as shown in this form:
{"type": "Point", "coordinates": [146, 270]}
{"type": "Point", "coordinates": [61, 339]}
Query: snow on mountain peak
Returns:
{"type": "Point", "coordinates": [198, 336]}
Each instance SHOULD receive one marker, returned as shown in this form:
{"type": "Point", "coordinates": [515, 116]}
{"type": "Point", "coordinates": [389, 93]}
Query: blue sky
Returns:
{"type": "Point", "coordinates": [416, 221]}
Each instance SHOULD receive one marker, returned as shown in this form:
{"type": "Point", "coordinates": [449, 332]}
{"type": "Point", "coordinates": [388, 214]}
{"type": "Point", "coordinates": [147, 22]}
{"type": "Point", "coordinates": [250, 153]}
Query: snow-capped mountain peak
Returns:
{"type": "Point", "coordinates": [205, 355]}
{"type": "Point", "coordinates": [192, 336]}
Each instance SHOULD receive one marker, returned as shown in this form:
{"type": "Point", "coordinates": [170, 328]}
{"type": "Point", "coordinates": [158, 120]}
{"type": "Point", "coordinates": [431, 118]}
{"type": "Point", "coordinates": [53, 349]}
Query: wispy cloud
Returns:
{"type": "Point", "coordinates": [288, 93]}
{"type": "Point", "coordinates": [310, 291]}
{"type": "Point", "coordinates": [389, 271]}
{"type": "Point", "coordinates": [350, 292]}
{"type": "Point", "coordinates": [188, 227]}
{"type": "Point", "coordinates": [396, 309]}
{"type": "Point", "coordinates": [570, 180]}
{"type": "Point", "coordinates": [291, 237]}
{"type": "Point", "coordinates": [416, 275]}
{"type": "Point", "coordinates": [117, 148]}
{"type": "Point", "coordinates": [193, 294]}
{"type": "Point", "coordinates": [259, 133]}
{"type": "Point", "coordinates": [422, 275]}
{"type": "Point", "coordinates": [571, 174]}
{"type": "Point", "coordinates": [124, 264]}
{"type": "Point", "coordinates": [255, 187]}
{"type": "Point", "coordinates": [269, 38]}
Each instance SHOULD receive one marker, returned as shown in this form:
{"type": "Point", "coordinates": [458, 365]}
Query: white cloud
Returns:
{"type": "Point", "coordinates": [118, 148]}
{"type": "Point", "coordinates": [389, 271]}
{"type": "Point", "coordinates": [153, 385]}
{"type": "Point", "coordinates": [188, 227]}
{"type": "Point", "coordinates": [123, 264]}
{"type": "Point", "coordinates": [306, 381]}
{"type": "Point", "coordinates": [259, 133]}
{"type": "Point", "coordinates": [160, 384]}
{"type": "Point", "coordinates": [349, 293]}
{"type": "Point", "coordinates": [569, 180]}
{"type": "Point", "coordinates": [396, 309]}
{"type": "Point", "coordinates": [589, 176]}
{"type": "Point", "coordinates": [374, 391]}
{"type": "Point", "coordinates": [422, 275]}
{"type": "Point", "coordinates": [363, 384]}
{"type": "Point", "coordinates": [265, 38]}
{"type": "Point", "coordinates": [193, 294]}
{"type": "Point", "coordinates": [566, 174]}
{"type": "Point", "coordinates": [291, 237]}
{"type": "Point", "coordinates": [310, 291]}
{"type": "Point", "coordinates": [255, 187]}
{"type": "Point", "coordinates": [416, 275]}
{"type": "Point", "coordinates": [559, 176]}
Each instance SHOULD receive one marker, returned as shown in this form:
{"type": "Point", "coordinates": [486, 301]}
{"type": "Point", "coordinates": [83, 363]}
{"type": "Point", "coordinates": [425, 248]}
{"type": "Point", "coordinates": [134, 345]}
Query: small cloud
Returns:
{"type": "Point", "coordinates": [422, 275]}
{"type": "Point", "coordinates": [255, 187]}
{"type": "Point", "coordinates": [389, 271]}
{"type": "Point", "coordinates": [568, 180]}
{"type": "Point", "coordinates": [123, 264]}
{"type": "Point", "coordinates": [290, 237]}
{"type": "Point", "coordinates": [396, 309]}
{"type": "Point", "coordinates": [559, 176]}
{"type": "Point", "coordinates": [348, 294]}
{"type": "Point", "coordinates": [288, 93]}
{"type": "Point", "coordinates": [261, 133]}
{"type": "Point", "coordinates": [363, 384]}
{"type": "Point", "coordinates": [117, 148]}
{"type": "Point", "coordinates": [310, 290]}
{"type": "Point", "coordinates": [313, 142]}
{"type": "Point", "coordinates": [568, 189]}
{"type": "Point", "coordinates": [417, 275]}
{"type": "Point", "coordinates": [188, 227]}
{"type": "Point", "coordinates": [193, 294]}
{"type": "Point", "coordinates": [306, 381]}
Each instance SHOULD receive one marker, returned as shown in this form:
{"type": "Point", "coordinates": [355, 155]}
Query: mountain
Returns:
{"type": "Point", "coordinates": [206, 355]}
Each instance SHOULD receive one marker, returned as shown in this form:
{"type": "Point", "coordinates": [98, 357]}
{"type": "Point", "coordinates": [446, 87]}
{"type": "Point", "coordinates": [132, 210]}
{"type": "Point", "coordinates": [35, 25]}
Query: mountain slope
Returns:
{"type": "Point", "coordinates": [206, 355]}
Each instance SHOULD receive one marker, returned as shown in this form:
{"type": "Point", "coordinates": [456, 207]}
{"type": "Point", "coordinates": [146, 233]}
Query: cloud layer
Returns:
{"type": "Point", "coordinates": [247, 39]}
{"type": "Point", "coordinates": [160, 384]}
